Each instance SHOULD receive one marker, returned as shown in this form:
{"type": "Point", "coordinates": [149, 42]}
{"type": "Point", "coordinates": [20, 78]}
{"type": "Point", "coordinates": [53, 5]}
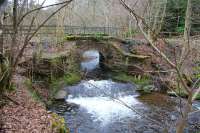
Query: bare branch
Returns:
{"type": "Point", "coordinates": [42, 7]}
{"type": "Point", "coordinates": [35, 32]}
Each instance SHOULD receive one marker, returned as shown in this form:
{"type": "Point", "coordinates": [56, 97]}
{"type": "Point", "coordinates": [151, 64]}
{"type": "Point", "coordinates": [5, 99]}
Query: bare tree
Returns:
{"type": "Point", "coordinates": [153, 40]}
{"type": "Point", "coordinates": [15, 55]}
{"type": "Point", "coordinates": [3, 5]}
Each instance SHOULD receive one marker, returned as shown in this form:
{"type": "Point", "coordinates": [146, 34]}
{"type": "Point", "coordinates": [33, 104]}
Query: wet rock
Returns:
{"type": "Point", "coordinates": [61, 95]}
{"type": "Point", "coordinates": [173, 117]}
{"type": "Point", "coordinates": [196, 105]}
{"type": "Point", "coordinates": [149, 131]}
{"type": "Point", "coordinates": [194, 122]}
{"type": "Point", "coordinates": [146, 89]}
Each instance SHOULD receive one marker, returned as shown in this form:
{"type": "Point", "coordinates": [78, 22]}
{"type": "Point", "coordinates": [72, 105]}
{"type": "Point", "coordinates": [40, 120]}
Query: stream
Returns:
{"type": "Point", "coordinates": [105, 106]}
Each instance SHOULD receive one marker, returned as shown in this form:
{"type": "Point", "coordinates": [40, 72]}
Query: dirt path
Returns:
{"type": "Point", "coordinates": [28, 117]}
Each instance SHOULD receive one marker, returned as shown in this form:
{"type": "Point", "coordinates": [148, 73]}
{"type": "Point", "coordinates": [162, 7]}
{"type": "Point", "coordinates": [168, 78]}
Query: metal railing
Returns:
{"type": "Point", "coordinates": [75, 30]}
{"type": "Point", "coordinates": [49, 30]}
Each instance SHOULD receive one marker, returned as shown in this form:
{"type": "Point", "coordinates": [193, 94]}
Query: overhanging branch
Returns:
{"type": "Point", "coordinates": [39, 8]}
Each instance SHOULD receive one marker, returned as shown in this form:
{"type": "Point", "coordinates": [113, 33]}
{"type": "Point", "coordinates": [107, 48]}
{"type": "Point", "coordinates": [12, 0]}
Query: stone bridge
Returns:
{"type": "Point", "coordinates": [115, 52]}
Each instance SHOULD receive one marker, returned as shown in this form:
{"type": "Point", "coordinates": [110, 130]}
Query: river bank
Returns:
{"type": "Point", "coordinates": [28, 115]}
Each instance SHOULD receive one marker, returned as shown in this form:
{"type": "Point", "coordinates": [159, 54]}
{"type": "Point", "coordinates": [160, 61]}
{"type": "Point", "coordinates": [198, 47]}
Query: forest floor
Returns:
{"type": "Point", "coordinates": [29, 116]}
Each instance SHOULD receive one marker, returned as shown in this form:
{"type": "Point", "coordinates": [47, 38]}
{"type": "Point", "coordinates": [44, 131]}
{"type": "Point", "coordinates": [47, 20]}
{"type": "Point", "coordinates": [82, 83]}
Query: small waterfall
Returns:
{"type": "Point", "coordinates": [104, 99]}
{"type": "Point", "coordinates": [107, 110]}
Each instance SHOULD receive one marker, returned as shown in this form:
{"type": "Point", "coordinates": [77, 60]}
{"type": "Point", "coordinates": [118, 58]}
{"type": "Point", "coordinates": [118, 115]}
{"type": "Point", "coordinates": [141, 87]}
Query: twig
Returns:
{"type": "Point", "coordinates": [10, 99]}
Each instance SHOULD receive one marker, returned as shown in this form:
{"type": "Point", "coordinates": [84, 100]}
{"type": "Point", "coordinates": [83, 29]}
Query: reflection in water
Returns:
{"type": "Point", "coordinates": [90, 60]}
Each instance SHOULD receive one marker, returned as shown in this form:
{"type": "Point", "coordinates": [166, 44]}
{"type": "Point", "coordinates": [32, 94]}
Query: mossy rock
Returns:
{"type": "Point", "coordinates": [147, 89]}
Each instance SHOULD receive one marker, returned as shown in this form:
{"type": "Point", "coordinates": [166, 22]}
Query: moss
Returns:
{"type": "Point", "coordinates": [58, 124]}
{"type": "Point", "coordinates": [69, 37]}
{"type": "Point", "coordinates": [99, 36]}
{"type": "Point", "coordinates": [72, 78]}
{"type": "Point", "coordinates": [96, 36]}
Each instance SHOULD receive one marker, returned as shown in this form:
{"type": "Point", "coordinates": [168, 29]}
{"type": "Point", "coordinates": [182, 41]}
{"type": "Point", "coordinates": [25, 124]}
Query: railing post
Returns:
{"type": "Point", "coordinates": [84, 30]}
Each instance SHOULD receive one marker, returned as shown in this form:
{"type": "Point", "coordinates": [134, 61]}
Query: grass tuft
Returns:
{"type": "Point", "coordinates": [139, 80]}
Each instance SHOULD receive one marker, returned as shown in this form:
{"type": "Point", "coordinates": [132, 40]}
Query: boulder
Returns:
{"type": "Point", "coordinates": [61, 95]}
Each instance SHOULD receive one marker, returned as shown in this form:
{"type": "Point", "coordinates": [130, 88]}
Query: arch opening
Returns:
{"type": "Point", "coordinates": [92, 60]}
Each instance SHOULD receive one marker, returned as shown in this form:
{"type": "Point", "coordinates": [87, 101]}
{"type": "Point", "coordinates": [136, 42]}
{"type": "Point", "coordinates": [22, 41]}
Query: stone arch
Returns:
{"type": "Point", "coordinates": [115, 54]}
{"type": "Point", "coordinates": [101, 47]}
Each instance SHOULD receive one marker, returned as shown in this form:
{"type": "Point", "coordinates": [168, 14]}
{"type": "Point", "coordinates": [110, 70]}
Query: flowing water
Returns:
{"type": "Point", "coordinates": [105, 106]}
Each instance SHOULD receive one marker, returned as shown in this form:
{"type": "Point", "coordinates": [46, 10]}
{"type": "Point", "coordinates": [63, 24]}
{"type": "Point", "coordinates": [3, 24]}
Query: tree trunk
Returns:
{"type": "Point", "coordinates": [182, 122]}
{"type": "Point", "coordinates": [188, 17]}
{"type": "Point", "coordinates": [188, 21]}
{"type": "Point", "coordinates": [14, 36]}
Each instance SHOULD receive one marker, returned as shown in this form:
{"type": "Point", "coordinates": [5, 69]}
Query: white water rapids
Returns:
{"type": "Point", "coordinates": [105, 109]}
{"type": "Point", "coordinates": [105, 102]}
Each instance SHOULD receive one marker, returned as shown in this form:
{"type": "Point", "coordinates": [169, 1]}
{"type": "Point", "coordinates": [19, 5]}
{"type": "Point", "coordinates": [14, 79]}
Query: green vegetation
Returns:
{"type": "Point", "coordinates": [130, 33]}
{"type": "Point", "coordinates": [176, 16]}
{"type": "Point", "coordinates": [67, 79]}
{"type": "Point", "coordinates": [58, 124]}
{"type": "Point", "coordinates": [69, 37]}
{"type": "Point", "coordinates": [72, 78]}
{"type": "Point", "coordinates": [180, 25]}
{"type": "Point", "coordinates": [198, 97]}
{"type": "Point", "coordinates": [5, 75]}
{"type": "Point", "coordinates": [96, 36]}
{"type": "Point", "coordinates": [143, 82]}
{"type": "Point", "coordinates": [54, 86]}
{"type": "Point", "coordinates": [182, 93]}
{"type": "Point", "coordinates": [140, 80]}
